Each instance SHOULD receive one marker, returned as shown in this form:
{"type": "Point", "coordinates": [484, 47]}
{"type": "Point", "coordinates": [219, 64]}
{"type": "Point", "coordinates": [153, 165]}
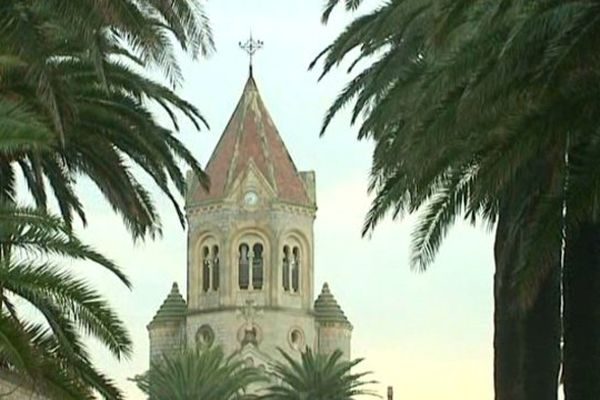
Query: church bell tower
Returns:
{"type": "Point", "coordinates": [250, 242]}
{"type": "Point", "coordinates": [250, 251]}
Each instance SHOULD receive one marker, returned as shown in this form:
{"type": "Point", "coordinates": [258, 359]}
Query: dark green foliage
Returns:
{"type": "Point", "coordinates": [487, 85]}
{"type": "Point", "coordinates": [199, 374]}
{"type": "Point", "coordinates": [51, 354]}
{"type": "Point", "coordinates": [70, 81]}
{"type": "Point", "coordinates": [73, 105]}
{"type": "Point", "coordinates": [317, 377]}
{"type": "Point", "coordinates": [478, 108]}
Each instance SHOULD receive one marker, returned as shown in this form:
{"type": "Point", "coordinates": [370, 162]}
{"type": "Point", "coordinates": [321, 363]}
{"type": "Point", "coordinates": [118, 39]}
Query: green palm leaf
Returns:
{"type": "Point", "coordinates": [317, 377]}
{"type": "Point", "coordinates": [203, 373]}
{"type": "Point", "coordinates": [68, 306]}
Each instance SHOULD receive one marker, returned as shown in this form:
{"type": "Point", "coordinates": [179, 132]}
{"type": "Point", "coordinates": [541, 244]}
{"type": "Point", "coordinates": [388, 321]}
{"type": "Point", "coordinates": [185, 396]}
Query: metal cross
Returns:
{"type": "Point", "coordinates": [251, 46]}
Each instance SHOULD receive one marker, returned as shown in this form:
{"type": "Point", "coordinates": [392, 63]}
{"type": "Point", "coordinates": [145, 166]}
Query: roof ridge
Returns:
{"type": "Point", "coordinates": [250, 78]}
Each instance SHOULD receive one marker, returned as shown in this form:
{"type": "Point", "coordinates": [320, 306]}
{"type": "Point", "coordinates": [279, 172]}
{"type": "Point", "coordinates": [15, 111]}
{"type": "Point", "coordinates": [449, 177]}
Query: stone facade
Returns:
{"type": "Point", "coordinates": [250, 254]}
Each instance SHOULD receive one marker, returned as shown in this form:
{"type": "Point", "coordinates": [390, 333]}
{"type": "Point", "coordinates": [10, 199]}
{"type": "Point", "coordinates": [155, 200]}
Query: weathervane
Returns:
{"type": "Point", "coordinates": [251, 46]}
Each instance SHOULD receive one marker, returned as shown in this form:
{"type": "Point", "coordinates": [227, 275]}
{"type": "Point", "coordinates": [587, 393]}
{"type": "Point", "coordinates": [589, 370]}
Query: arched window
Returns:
{"type": "Point", "coordinates": [295, 269]}
{"type": "Point", "coordinates": [215, 267]}
{"type": "Point", "coordinates": [244, 267]}
{"type": "Point", "coordinates": [251, 265]}
{"type": "Point", "coordinates": [205, 268]}
{"type": "Point", "coordinates": [257, 266]}
{"type": "Point", "coordinates": [286, 269]}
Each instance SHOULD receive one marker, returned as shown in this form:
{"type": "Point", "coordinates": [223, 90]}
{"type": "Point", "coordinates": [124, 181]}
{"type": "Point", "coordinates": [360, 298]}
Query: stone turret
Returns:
{"type": "Point", "coordinates": [334, 331]}
{"type": "Point", "coordinates": [167, 329]}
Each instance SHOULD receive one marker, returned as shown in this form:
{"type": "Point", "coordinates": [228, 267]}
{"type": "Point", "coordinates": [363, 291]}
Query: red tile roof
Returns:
{"type": "Point", "coordinates": [252, 135]}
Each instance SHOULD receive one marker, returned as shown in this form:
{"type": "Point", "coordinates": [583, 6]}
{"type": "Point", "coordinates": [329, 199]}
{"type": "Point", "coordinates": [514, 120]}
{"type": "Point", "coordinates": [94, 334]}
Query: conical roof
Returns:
{"type": "Point", "coordinates": [173, 308]}
{"type": "Point", "coordinates": [327, 308]}
{"type": "Point", "coordinates": [249, 136]}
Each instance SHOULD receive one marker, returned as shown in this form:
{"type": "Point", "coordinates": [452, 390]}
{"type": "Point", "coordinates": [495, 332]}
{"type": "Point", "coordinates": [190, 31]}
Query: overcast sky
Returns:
{"type": "Point", "coordinates": [427, 334]}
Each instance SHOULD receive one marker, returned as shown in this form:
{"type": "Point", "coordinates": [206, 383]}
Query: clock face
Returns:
{"type": "Point", "coordinates": [250, 198]}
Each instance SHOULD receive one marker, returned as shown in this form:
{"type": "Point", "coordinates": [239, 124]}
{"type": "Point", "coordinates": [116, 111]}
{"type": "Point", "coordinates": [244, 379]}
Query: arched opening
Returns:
{"type": "Point", "coordinates": [295, 269]}
{"type": "Point", "coordinates": [215, 267]}
{"type": "Point", "coordinates": [257, 266]}
{"type": "Point", "coordinates": [205, 269]}
{"type": "Point", "coordinates": [285, 273]}
{"type": "Point", "coordinates": [244, 267]}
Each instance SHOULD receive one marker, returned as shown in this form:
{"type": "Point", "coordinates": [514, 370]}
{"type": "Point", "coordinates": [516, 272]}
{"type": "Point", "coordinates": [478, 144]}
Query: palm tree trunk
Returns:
{"type": "Point", "coordinates": [526, 339]}
{"type": "Point", "coordinates": [542, 333]}
{"type": "Point", "coordinates": [508, 336]}
{"type": "Point", "coordinates": [581, 282]}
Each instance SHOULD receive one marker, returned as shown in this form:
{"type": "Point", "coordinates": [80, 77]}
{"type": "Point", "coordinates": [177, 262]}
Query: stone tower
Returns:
{"type": "Point", "coordinates": [334, 331]}
{"type": "Point", "coordinates": [250, 250]}
{"type": "Point", "coordinates": [167, 328]}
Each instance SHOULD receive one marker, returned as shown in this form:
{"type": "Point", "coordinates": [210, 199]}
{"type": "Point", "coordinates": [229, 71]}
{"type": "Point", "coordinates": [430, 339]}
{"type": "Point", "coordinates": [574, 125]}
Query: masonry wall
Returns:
{"type": "Point", "coordinates": [333, 336]}
{"type": "Point", "coordinates": [274, 329]}
{"type": "Point", "coordinates": [228, 227]}
{"type": "Point", "coordinates": [166, 338]}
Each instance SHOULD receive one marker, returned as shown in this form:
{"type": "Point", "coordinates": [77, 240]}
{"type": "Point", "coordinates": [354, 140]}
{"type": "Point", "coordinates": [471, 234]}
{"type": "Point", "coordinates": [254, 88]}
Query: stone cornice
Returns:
{"type": "Point", "coordinates": [218, 309]}
{"type": "Point", "coordinates": [210, 207]}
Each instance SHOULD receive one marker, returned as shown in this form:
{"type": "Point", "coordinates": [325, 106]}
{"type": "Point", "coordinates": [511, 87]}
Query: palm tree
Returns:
{"type": "Point", "coordinates": [73, 68]}
{"type": "Point", "coordinates": [492, 81]}
{"type": "Point", "coordinates": [198, 374]}
{"type": "Point", "coordinates": [73, 103]}
{"type": "Point", "coordinates": [149, 28]}
{"type": "Point", "coordinates": [113, 129]}
{"type": "Point", "coordinates": [50, 353]}
{"type": "Point", "coordinates": [317, 377]}
{"type": "Point", "coordinates": [408, 119]}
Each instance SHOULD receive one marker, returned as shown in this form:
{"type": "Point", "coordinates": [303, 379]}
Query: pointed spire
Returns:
{"type": "Point", "coordinates": [173, 308]}
{"type": "Point", "coordinates": [327, 308]}
{"type": "Point", "coordinates": [251, 136]}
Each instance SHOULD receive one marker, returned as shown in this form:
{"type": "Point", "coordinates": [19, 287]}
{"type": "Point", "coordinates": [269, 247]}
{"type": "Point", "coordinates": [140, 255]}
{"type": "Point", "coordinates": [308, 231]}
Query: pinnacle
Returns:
{"type": "Point", "coordinates": [173, 307]}
{"type": "Point", "coordinates": [327, 308]}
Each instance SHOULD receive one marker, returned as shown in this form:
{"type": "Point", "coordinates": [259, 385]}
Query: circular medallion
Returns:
{"type": "Point", "coordinates": [250, 198]}
{"type": "Point", "coordinates": [205, 336]}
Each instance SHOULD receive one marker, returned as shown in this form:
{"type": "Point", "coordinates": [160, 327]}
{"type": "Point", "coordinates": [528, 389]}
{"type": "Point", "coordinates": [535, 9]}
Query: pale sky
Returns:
{"type": "Point", "coordinates": [427, 334]}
